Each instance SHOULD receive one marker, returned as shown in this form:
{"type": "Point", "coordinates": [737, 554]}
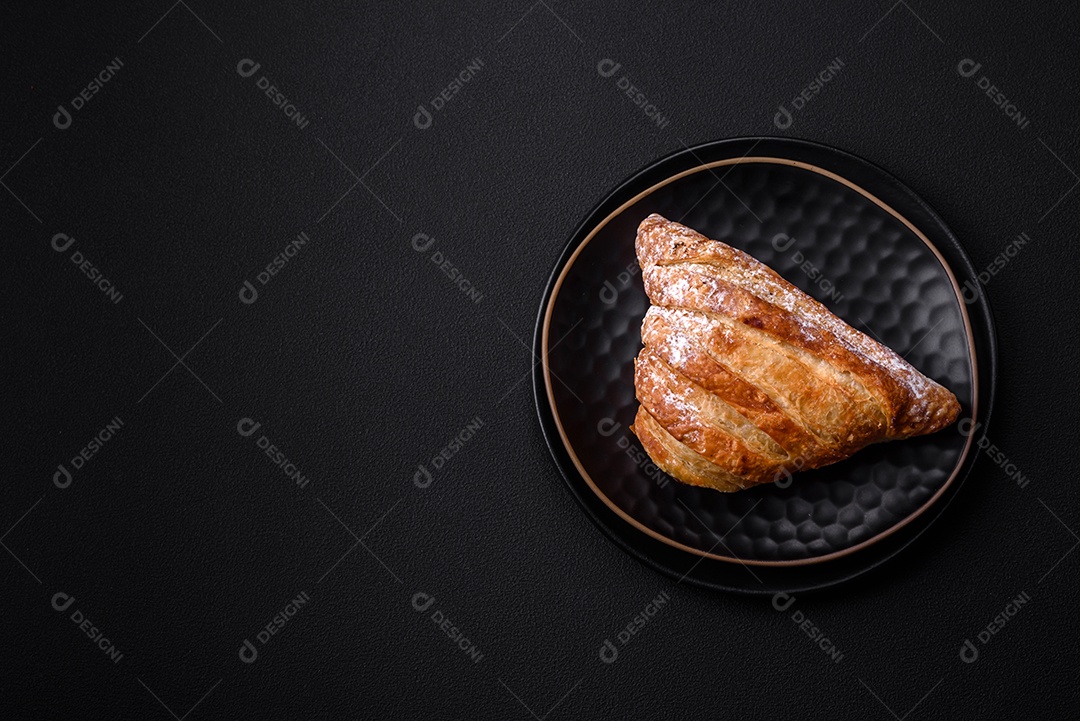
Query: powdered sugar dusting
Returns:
{"type": "Point", "coordinates": [661, 241]}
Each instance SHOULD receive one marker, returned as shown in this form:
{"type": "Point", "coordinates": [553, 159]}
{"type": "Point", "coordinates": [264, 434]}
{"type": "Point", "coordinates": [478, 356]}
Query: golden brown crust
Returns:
{"type": "Point", "coordinates": [703, 422]}
{"type": "Point", "coordinates": [684, 353]}
{"type": "Point", "coordinates": [677, 460]}
{"type": "Point", "coordinates": [716, 296]}
{"type": "Point", "coordinates": [743, 376]}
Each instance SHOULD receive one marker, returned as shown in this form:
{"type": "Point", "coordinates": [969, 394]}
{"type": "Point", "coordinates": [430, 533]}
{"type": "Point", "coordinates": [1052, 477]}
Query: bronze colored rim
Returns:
{"type": "Point", "coordinates": [733, 559]}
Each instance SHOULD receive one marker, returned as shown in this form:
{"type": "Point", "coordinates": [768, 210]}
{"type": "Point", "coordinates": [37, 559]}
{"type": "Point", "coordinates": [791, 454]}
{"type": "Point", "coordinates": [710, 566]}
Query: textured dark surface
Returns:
{"type": "Point", "coordinates": [869, 269]}
{"type": "Point", "coordinates": [361, 359]}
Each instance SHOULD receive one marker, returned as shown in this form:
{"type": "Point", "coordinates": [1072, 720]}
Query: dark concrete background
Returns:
{"type": "Point", "coordinates": [180, 539]}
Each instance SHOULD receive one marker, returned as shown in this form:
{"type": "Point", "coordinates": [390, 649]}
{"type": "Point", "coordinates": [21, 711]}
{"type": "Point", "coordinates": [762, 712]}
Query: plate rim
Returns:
{"type": "Point", "coordinates": [572, 251]}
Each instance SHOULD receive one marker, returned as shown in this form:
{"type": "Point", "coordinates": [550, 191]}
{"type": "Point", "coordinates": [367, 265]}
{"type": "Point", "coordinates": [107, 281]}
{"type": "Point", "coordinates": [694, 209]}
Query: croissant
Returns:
{"type": "Point", "coordinates": [744, 379]}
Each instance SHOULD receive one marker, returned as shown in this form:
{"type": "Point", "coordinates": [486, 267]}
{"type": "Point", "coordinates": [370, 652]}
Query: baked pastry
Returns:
{"type": "Point", "coordinates": [744, 379]}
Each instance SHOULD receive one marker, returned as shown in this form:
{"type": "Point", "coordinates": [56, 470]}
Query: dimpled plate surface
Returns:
{"type": "Point", "coordinates": [837, 245]}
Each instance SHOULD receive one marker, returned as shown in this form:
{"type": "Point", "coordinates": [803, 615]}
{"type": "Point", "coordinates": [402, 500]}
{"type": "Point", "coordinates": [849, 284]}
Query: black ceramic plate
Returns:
{"type": "Point", "coordinates": [851, 236]}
